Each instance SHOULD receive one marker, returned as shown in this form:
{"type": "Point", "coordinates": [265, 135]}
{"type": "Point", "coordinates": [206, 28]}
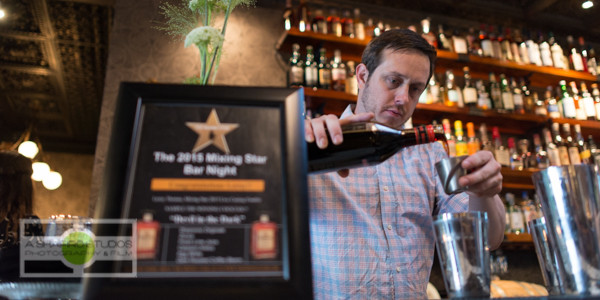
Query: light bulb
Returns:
{"type": "Point", "coordinates": [587, 4]}
{"type": "Point", "coordinates": [28, 149]}
{"type": "Point", "coordinates": [40, 170]}
{"type": "Point", "coordinates": [52, 181]}
{"type": "Point", "coordinates": [2, 13]}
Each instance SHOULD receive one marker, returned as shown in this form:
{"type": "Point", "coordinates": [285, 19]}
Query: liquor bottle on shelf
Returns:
{"type": "Point", "coordinates": [461, 141]}
{"type": "Point", "coordinates": [496, 48]}
{"type": "Point", "coordinates": [572, 146]}
{"type": "Point", "coordinates": [528, 159]}
{"type": "Point", "coordinates": [551, 104]}
{"type": "Point", "coordinates": [580, 113]}
{"type": "Point", "coordinates": [334, 24]}
{"type": "Point", "coordinates": [495, 92]}
{"type": "Point", "coordinates": [427, 34]}
{"type": "Point", "coordinates": [588, 102]}
{"type": "Point", "coordinates": [324, 70]}
{"type": "Point", "coordinates": [469, 91]}
{"type": "Point", "coordinates": [517, 226]}
{"type": "Point", "coordinates": [368, 143]}
{"type": "Point", "coordinates": [529, 208]}
{"type": "Point", "coordinates": [450, 92]}
{"type": "Point", "coordinates": [528, 101]}
{"type": "Point", "coordinates": [303, 17]}
{"type": "Point", "coordinates": [351, 84]}
{"type": "Point", "coordinates": [347, 24]}
{"type": "Point", "coordinates": [296, 68]}
{"type": "Point", "coordinates": [584, 149]}
{"type": "Point", "coordinates": [486, 144]}
{"type": "Point", "coordinates": [545, 53]}
{"type": "Point", "coordinates": [505, 41]}
{"type": "Point", "coordinates": [540, 106]}
{"type": "Point", "coordinates": [288, 16]}
{"type": "Point", "coordinates": [575, 58]}
{"type": "Point", "coordinates": [507, 96]}
{"type": "Point", "coordinates": [443, 41]}
{"type": "Point", "coordinates": [517, 97]}
{"type": "Point", "coordinates": [500, 152]}
{"type": "Point", "coordinates": [561, 144]}
{"type": "Point", "coordinates": [450, 139]}
{"type": "Point", "coordinates": [370, 28]}
{"type": "Point", "coordinates": [551, 148]}
{"type": "Point", "coordinates": [523, 51]}
{"type": "Point", "coordinates": [557, 53]}
{"type": "Point", "coordinates": [378, 29]}
{"type": "Point", "coordinates": [434, 94]}
{"type": "Point", "coordinates": [568, 104]}
{"type": "Point", "coordinates": [596, 96]}
{"type": "Point", "coordinates": [483, 97]}
{"type": "Point", "coordinates": [516, 162]}
{"type": "Point", "coordinates": [319, 23]}
{"type": "Point", "coordinates": [485, 42]}
{"type": "Point", "coordinates": [533, 50]}
{"type": "Point", "coordinates": [541, 160]}
{"type": "Point", "coordinates": [311, 70]}
{"type": "Point", "coordinates": [459, 43]}
{"type": "Point", "coordinates": [594, 151]}
{"type": "Point", "coordinates": [514, 46]}
{"type": "Point", "coordinates": [473, 144]}
{"type": "Point", "coordinates": [593, 66]}
{"type": "Point", "coordinates": [338, 72]}
{"type": "Point", "coordinates": [584, 54]}
{"type": "Point", "coordinates": [473, 42]}
{"type": "Point", "coordinates": [359, 26]}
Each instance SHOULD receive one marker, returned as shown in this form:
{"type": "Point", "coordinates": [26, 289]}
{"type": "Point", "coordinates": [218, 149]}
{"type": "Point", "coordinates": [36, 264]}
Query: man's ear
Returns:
{"type": "Point", "coordinates": [362, 75]}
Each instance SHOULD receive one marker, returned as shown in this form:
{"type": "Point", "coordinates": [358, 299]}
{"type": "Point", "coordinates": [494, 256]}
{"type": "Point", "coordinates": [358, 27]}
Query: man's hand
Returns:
{"type": "Point", "coordinates": [316, 130]}
{"type": "Point", "coordinates": [486, 179]}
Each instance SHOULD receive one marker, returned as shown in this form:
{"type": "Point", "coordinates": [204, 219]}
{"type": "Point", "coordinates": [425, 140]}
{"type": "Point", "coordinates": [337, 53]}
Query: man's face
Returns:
{"type": "Point", "coordinates": [392, 91]}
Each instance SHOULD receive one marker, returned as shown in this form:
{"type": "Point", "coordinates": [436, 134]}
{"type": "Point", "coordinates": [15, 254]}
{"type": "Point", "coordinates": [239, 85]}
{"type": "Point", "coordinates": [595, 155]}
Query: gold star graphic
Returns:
{"type": "Point", "coordinates": [212, 132]}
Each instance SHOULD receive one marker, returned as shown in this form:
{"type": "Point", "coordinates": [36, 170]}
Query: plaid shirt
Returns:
{"type": "Point", "coordinates": [372, 232]}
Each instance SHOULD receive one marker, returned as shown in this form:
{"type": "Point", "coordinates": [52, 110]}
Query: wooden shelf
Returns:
{"type": "Point", "coordinates": [518, 238]}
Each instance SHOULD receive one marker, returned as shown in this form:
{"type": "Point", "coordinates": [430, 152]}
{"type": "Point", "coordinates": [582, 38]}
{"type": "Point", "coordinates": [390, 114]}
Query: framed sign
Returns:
{"type": "Point", "coordinates": [215, 179]}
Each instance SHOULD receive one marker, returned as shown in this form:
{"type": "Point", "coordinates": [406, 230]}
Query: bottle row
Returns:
{"type": "Point", "coordinates": [519, 46]}
{"type": "Point", "coordinates": [326, 74]}
{"type": "Point", "coordinates": [559, 148]}
{"type": "Point", "coordinates": [514, 96]}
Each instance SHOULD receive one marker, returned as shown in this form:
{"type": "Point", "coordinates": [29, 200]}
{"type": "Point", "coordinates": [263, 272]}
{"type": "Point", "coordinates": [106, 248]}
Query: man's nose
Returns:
{"type": "Point", "coordinates": [401, 95]}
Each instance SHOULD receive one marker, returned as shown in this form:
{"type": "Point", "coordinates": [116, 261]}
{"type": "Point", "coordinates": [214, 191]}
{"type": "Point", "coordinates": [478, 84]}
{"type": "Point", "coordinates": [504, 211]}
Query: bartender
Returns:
{"type": "Point", "coordinates": [372, 228]}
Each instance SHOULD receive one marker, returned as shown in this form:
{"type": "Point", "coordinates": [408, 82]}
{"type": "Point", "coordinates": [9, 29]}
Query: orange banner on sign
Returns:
{"type": "Point", "coordinates": [207, 185]}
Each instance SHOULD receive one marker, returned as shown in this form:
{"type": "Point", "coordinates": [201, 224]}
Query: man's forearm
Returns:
{"type": "Point", "coordinates": [496, 217]}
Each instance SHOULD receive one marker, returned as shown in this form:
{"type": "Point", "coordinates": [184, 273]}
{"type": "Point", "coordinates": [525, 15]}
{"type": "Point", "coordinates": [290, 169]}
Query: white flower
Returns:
{"type": "Point", "coordinates": [204, 36]}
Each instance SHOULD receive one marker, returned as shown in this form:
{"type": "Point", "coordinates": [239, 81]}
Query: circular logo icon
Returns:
{"type": "Point", "coordinates": [78, 248]}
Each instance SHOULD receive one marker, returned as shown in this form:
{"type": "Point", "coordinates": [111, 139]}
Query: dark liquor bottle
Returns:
{"type": "Point", "coordinates": [288, 16]}
{"type": "Point", "coordinates": [574, 55]}
{"type": "Point", "coordinates": [540, 106]}
{"type": "Point", "coordinates": [443, 41]}
{"type": "Point", "coordinates": [588, 102]}
{"type": "Point", "coordinates": [551, 149]}
{"type": "Point", "coordinates": [485, 42]}
{"type": "Point", "coordinates": [469, 91]}
{"type": "Point", "coordinates": [517, 96]}
{"type": "Point", "coordinates": [368, 144]}
{"type": "Point", "coordinates": [334, 25]}
{"type": "Point", "coordinates": [311, 73]}
{"type": "Point", "coordinates": [348, 25]}
{"type": "Point", "coordinates": [541, 156]}
{"type": "Point", "coordinates": [495, 92]}
{"type": "Point", "coordinates": [563, 149]}
{"type": "Point", "coordinates": [296, 68]}
{"type": "Point", "coordinates": [303, 17]}
{"type": "Point", "coordinates": [572, 145]}
{"type": "Point", "coordinates": [507, 96]}
{"type": "Point", "coordinates": [324, 70]}
{"type": "Point", "coordinates": [584, 148]}
{"type": "Point", "coordinates": [359, 26]}
{"type": "Point", "coordinates": [427, 34]}
{"type": "Point", "coordinates": [319, 23]}
{"type": "Point", "coordinates": [596, 96]}
{"type": "Point", "coordinates": [338, 72]}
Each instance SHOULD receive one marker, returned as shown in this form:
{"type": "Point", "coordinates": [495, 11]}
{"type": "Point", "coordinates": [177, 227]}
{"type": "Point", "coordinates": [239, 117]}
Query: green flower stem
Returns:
{"type": "Point", "coordinates": [217, 54]}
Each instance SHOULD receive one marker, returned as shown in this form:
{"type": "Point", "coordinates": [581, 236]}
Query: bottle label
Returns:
{"type": "Point", "coordinates": [524, 53]}
{"type": "Point", "coordinates": [338, 74]}
{"type": "Point", "coordinates": [569, 107]}
{"type": "Point", "coordinates": [577, 61]}
{"type": "Point", "coordinates": [453, 95]}
{"type": "Point", "coordinates": [451, 148]}
{"type": "Point", "coordinates": [541, 111]}
{"type": "Point", "coordinates": [585, 154]}
{"type": "Point", "coordinates": [546, 55]}
{"type": "Point", "coordinates": [461, 148]}
{"type": "Point", "coordinates": [325, 77]}
{"type": "Point", "coordinates": [486, 46]}
{"type": "Point", "coordinates": [296, 75]}
{"type": "Point", "coordinates": [507, 101]}
{"type": "Point", "coordinates": [516, 220]}
{"type": "Point", "coordinates": [424, 134]}
{"type": "Point", "coordinates": [588, 104]}
{"type": "Point", "coordinates": [574, 156]}
{"type": "Point", "coordinates": [503, 157]}
{"type": "Point", "coordinates": [360, 31]}
{"type": "Point", "coordinates": [311, 74]}
{"type": "Point", "coordinates": [554, 157]}
{"type": "Point", "coordinates": [518, 99]}
{"type": "Point", "coordinates": [597, 110]}
{"type": "Point", "coordinates": [563, 152]}
{"type": "Point", "coordinates": [470, 95]}
{"type": "Point", "coordinates": [553, 111]}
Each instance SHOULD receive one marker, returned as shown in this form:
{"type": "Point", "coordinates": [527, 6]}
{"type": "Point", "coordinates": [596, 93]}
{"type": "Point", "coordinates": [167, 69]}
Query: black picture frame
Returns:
{"type": "Point", "coordinates": [116, 190]}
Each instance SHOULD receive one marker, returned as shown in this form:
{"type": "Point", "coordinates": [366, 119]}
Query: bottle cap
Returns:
{"type": "Point", "coordinates": [264, 218]}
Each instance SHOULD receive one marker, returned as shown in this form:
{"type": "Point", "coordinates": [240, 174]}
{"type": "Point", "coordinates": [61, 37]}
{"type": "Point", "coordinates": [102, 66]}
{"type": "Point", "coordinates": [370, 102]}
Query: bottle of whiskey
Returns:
{"type": "Point", "coordinates": [568, 104]}
{"type": "Point", "coordinates": [319, 23]}
{"type": "Point", "coordinates": [486, 144]}
{"type": "Point", "coordinates": [557, 53]}
{"type": "Point", "coordinates": [359, 26]}
{"type": "Point", "coordinates": [572, 146]}
{"type": "Point", "coordinates": [469, 91]}
{"type": "Point", "coordinates": [540, 106]}
{"type": "Point", "coordinates": [427, 34]}
{"type": "Point", "coordinates": [461, 141]}
{"type": "Point", "coordinates": [483, 97]}
{"type": "Point", "coordinates": [296, 68]}
{"type": "Point", "coordinates": [495, 92]}
{"type": "Point", "coordinates": [517, 96]}
{"type": "Point", "coordinates": [584, 149]}
{"type": "Point", "coordinates": [574, 55]}
{"type": "Point", "coordinates": [288, 16]}
{"type": "Point", "coordinates": [580, 113]}
{"type": "Point", "coordinates": [551, 149]}
{"type": "Point", "coordinates": [324, 70]}
{"type": "Point", "coordinates": [311, 72]}
{"type": "Point", "coordinates": [551, 104]}
{"type": "Point", "coordinates": [450, 92]}
{"type": "Point", "coordinates": [334, 24]}
{"type": "Point", "coordinates": [507, 97]}
{"type": "Point", "coordinates": [303, 17]}
{"type": "Point", "coordinates": [338, 72]}
{"type": "Point", "coordinates": [500, 152]}
{"type": "Point", "coordinates": [596, 96]}
{"type": "Point", "coordinates": [541, 156]}
{"type": "Point", "coordinates": [473, 144]}
{"type": "Point", "coordinates": [351, 84]}
{"type": "Point", "coordinates": [588, 102]}
{"type": "Point", "coordinates": [347, 25]}
{"type": "Point", "coordinates": [533, 50]}
{"type": "Point", "coordinates": [434, 94]}
{"type": "Point", "coordinates": [561, 144]}
{"type": "Point", "coordinates": [485, 42]}
{"type": "Point", "coordinates": [442, 40]}
{"type": "Point", "coordinates": [516, 162]}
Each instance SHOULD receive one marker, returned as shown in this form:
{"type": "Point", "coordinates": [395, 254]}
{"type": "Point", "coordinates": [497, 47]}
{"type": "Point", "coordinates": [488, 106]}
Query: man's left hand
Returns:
{"type": "Point", "coordinates": [485, 180]}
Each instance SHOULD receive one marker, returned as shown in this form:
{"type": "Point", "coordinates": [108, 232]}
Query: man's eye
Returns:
{"type": "Point", "coordinates": [392, 82]}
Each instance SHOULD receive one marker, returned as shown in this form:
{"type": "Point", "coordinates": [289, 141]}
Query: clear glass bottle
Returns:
{"type": "Point", "coordinates": [450, 92]}
{"type": "Point", "coordinates": [517, 225]}
{"type": "Point", "coordinates": [572, 146]}
{"type": "Point", "coordinates": [516, 163]}
{"type": "Point", "coordinates": [540, 106]}
{"type": "Point", "coordinates": [311, 70]}
{"type": "Point", "coordinates": [324, 70]}
{"type": "Point", "coordinates": [568, 104]}
{"type": "Point", "coordinates": [359, 25]}
{"type": "Point", "coordinates": [296, 68]}
{"type": "Point", "coordinates": [483, 97]}
{"type": "Point", "coordinates": [338, 72]}
{"type": "Point", "coordinates": [351, 84]}
{"type": "Point", "coordinates": [575, 57]}
{"type": "Point", "coordinates": [541, 156]}
{"type": "Point", "coordinates": [288, 16]}
{"type": "Point", "coordinates": [551, 148]}
{"type": "Point", "coordinates": [469, 91]}
{"type": "Point", "coordinates": [563, 149]}
{"type": "Point", "coordinates": [486, 144]}
{"type": "Point", "coordinates": [303, 13]}
{"type": "Point", "coordinates": [507, 96]}
{"type": "Point", "coordinates": [588, 102]}
{"type": "Point", "coordinates": [519, 106]}
{"type": "Point", "coordinates": [495, 92]}
{"type": "Point", "coordinates": [551, 104]}
{"type": "Point", "coordinates": [500, 151]}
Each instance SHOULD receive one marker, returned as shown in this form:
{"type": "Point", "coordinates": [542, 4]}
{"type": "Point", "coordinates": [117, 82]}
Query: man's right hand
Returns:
{"type": "Point", "coordinates": [314, 130]}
